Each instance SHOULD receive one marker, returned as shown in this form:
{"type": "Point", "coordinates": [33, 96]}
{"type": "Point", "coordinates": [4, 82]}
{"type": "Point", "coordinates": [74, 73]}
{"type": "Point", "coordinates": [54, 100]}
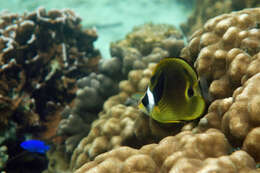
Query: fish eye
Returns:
{"type": "Point", "coordinates": [190, 92]}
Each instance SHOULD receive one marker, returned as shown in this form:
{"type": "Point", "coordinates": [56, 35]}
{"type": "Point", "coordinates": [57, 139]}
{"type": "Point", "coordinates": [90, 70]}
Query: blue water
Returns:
{"type": "Point", "coordinates": [113, 19]}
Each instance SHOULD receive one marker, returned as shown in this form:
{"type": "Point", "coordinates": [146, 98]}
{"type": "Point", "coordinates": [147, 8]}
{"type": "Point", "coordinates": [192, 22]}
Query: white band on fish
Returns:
{"type": "Point", "coordinates": [151, 102]}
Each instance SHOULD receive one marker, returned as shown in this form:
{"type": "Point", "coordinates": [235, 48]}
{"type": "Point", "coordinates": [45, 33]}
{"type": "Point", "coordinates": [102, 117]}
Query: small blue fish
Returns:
{"type": "Point", "coordinates": [35, 146]}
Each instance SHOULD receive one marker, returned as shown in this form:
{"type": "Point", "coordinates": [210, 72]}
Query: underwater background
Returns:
{"type": "Point", "coordinates": [113, 19]}
{"type": "Point", "coordinates": [73, 74]}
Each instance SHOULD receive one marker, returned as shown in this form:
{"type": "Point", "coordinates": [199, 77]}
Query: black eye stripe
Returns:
{"type": "Point", "coordinates": [145, 100]}
{"type": "Point", "coordinates": [158, 89]}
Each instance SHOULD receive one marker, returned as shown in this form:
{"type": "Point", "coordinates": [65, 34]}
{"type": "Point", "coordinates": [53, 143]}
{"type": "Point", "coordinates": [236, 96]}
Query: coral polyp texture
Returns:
{"type": "Point", "coordinates": [238, 117]}
{"type": "Point", "coordinates": [185, 152]}
{"type": "Point", "coordinates": [206, 9]}
{"type": "Point", "coordinates": [92, 91]}
{"type": "Point", "coordinates": [223, 50]}
{"type": "Point", "coordinates": [147, 43]}
{"type": "Point", "coordinates": [226, 54]}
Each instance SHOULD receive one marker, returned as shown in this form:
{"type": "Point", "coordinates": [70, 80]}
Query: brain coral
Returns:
{"type": "Point", "coordinates": [185, 152]}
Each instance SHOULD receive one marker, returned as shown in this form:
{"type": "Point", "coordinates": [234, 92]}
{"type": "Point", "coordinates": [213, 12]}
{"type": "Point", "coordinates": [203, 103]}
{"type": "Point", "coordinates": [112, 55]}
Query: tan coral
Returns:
{"type": "Point", "coordinates": [251, 143]}
{"type": "Point", "coordinates": [226, 54]}
{"type": "Point", "coordinates": [111, 130]}
{"type": "Point", "coordinates": [224, 48]}
{"type": "Point", "coordinates": [116, 123]}
{"type": "Point", "coordinates": [243, 115]}
{"type": "Point", "coordinates": [238, 116]}
{"type": "Point", "coordinates": [221, 46]}
{"type": "Point", "coordinates": [147, 43]}
{"type": "Point", "coordinates": [206, 9]}
{"type": "Point", "coordinates": [185, 152]}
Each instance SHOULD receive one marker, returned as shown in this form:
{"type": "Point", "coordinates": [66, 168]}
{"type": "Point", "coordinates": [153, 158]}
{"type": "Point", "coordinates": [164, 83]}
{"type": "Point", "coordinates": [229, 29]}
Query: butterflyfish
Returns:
{"type": "Point", "coordinates": [173, 94]}
{"type": "Point", "coordinates": [35, 146]}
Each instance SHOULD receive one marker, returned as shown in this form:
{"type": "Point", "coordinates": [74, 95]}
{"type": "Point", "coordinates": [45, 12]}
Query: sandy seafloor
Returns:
{"type": "Point", "coordinates": [112, 18]}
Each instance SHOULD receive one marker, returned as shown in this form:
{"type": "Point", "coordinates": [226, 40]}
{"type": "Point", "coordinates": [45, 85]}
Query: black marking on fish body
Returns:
{"type": "Point", "coordinates": [145, 100]}
{"type": "Point", "coordinates": [159, 88]}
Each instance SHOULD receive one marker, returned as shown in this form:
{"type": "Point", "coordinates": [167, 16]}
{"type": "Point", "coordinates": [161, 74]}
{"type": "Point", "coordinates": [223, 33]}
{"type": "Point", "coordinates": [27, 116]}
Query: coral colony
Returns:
{"type": "Point", "coordinates": [53, 83]}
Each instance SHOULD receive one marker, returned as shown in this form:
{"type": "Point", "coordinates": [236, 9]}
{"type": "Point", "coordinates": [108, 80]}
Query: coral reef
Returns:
{"type": "Point", "coordinates": [92, 91]}
{"type": "Point", "coordinates": [146, 44]}
{"type": "Point", "coordinates": [111, 130]}
{"type": "Point", "coordinates": [226, 55]}
{"type": "Point", "coordinates": [206, 9]}
{"type": "Point", "coordinates": [116, 123]}
{"type": "Point", "coordinates": [42, 54]}
{"type": "Point", "coordinates": [227, 51]}
{"type": "Point", "coordinates": [57, 160]}
{"type": "Point", "coordinates": [185, 152]}
{"type": "Point", "coordinates": [238, 117]}
{"type": "Point", "coordinates": [223, 50]}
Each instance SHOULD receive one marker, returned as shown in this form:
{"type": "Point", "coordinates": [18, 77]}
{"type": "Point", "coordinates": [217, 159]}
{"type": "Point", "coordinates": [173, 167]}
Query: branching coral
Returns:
{"type": "Point", "coordinates": [40, 53]}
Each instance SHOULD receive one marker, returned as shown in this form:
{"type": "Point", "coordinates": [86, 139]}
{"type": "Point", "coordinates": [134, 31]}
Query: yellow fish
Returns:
{"type": "Point", "coordinates": [173, 94]}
